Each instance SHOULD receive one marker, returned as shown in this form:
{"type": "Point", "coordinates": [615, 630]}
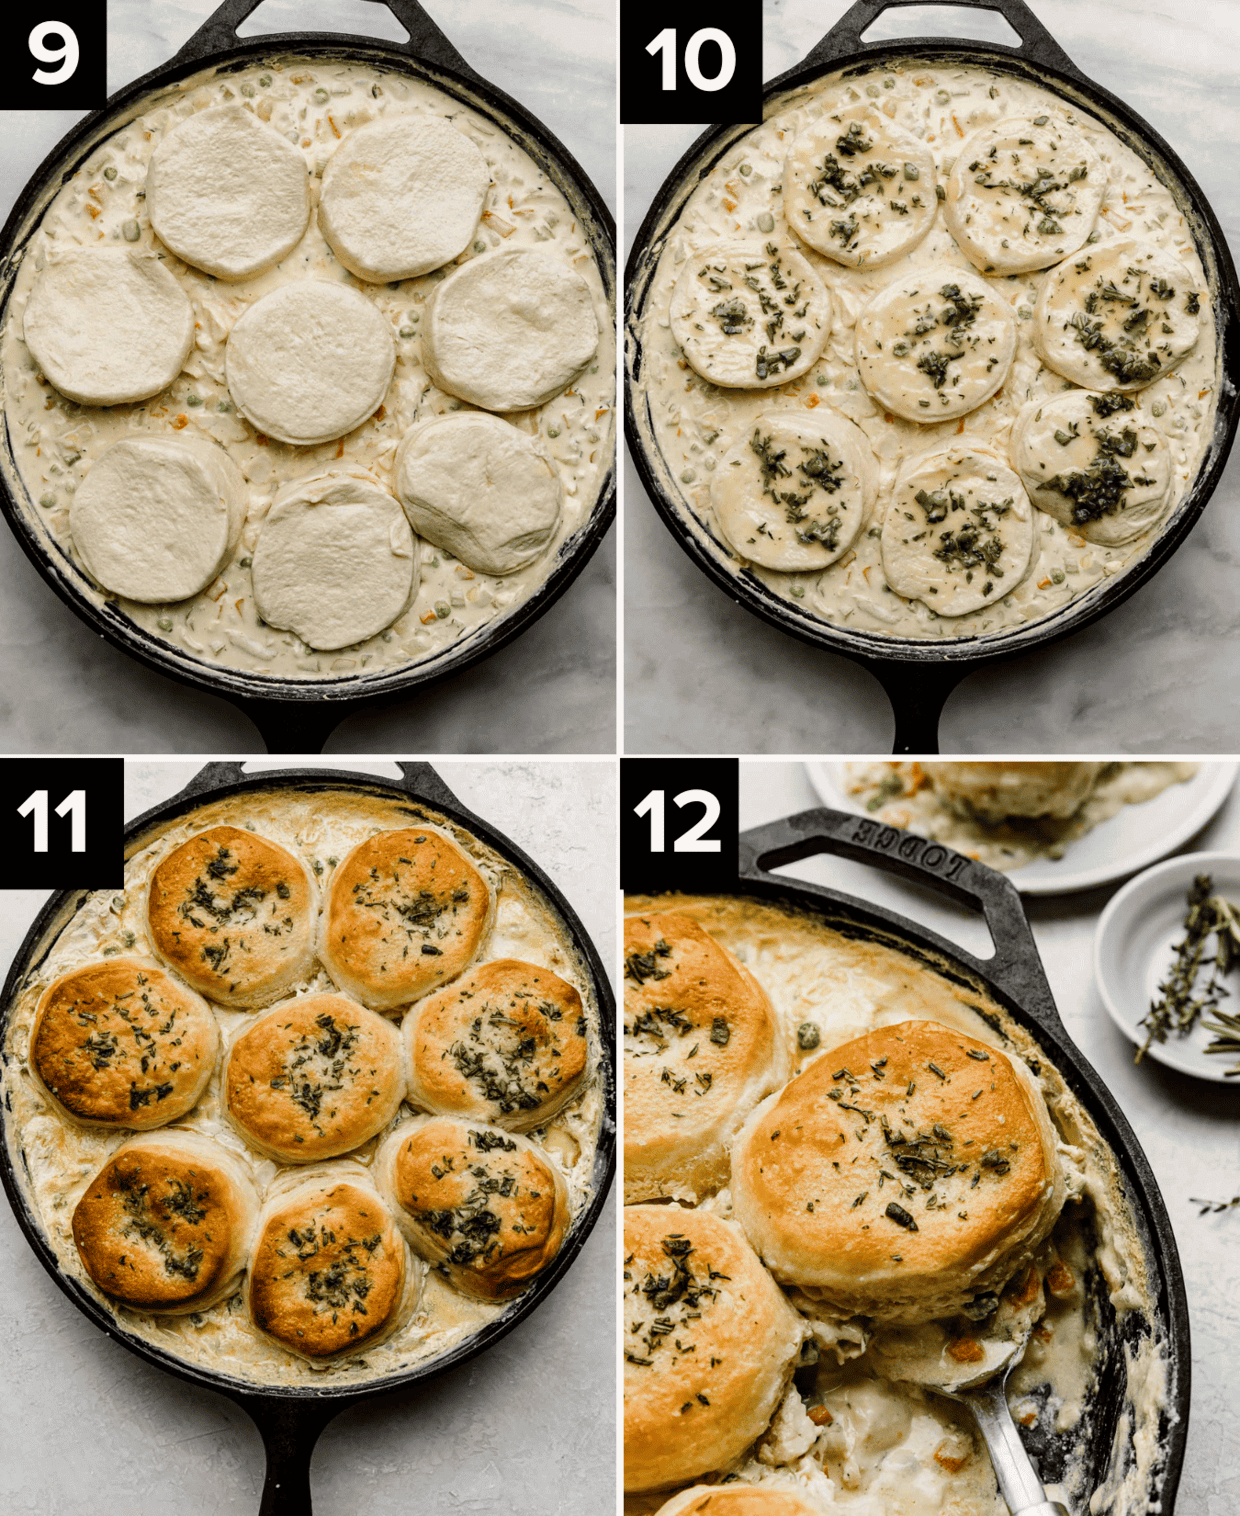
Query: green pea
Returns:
{"type": "Point", "coordinates": [553, 431]}
{"type": "Point", "coordinates": [247, 90]}
{"type": "Point", "coordinates": [872, 91]}
{"type": "Point", "coordinates": [193, 400]}
{"type": "Point", "coordinates": [766, 222]}
{"type": "Point", "coordinates": [245, 563]}
{"type": "Point", "coordinates": [407, 331]}
{"type": "Point", "coordinates": [911, 171]}
{"type": "Point", "coordinates": [798, 592]}
{"type": "Point", "coordinates": [480, 246]}
{"type": "Point", "coordinates": [321, 96]}
{"type": "Point", "coordinates": [376, 90]}
{"type": "Point", "coordinates": [109, 172]}
{"type": "Point", "coordinates": [224, 407]}
{"type": "Point", "coordinates": [746, 169]}
{"type": "Point", "coordinates": [808, 1036]}
{"type": "Point", "coordinates": [265, 80]}
{"type": "Point", "coordinates": [688, 476]}
{"type": "Point", "coordinates": [942, 97]}
{"type": "Point", "coordinates": [1057, 576]}
{"type": "Point", "coordinates": [442, 609]}
{"type": "Point", "coordinates": [47, 501]}
{"type": "Point", "coordinates": [130, 231]}
{"type": "Point", "coordinates": [1158, 408]}
{"type": "Point", "coordinates": [164, 623]}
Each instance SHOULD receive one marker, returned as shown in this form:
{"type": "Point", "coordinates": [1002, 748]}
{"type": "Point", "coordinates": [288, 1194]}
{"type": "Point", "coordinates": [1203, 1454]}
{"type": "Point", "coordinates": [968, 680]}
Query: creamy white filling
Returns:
{"type": "Point", "coordinates": [693, 423]}
{"type": "Point", "coordinates": [61, 1159]}
{"type": "Point", "coordinates": [314, 104]}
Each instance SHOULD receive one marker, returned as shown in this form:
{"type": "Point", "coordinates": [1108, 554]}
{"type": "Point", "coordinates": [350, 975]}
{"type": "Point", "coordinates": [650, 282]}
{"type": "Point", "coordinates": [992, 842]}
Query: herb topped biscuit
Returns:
{"type": "Point", "coordinates": [482, 1203]}
{"type": "Point", "coordinates": [407, 911]}
{"type": "Point", "coordinates": [120, 1043]}
{"type": "Point", "coordinates": [314, 1078]}
{"type": "Point", "coordinates": [166, 1224]}
{"type": "Point", "coordinates": [505, 1044]}
{"type": "Point", "coordinates": [701, 1048]}
{"type": "Point", "coordinates": [233, 913]}
{"type": "Point", "coordinates": [737, 1500]}
{"type": "Point", "coordinates": [709, 1342]}
{"type": "Point", "coordinates": [330, 1274]}
{"type": "Point", "coordinates": [904, 1176]}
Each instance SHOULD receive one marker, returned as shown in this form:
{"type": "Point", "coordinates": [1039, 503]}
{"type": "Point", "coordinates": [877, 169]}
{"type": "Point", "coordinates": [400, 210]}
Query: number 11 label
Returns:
{"type": "Point", "coordinates": [66, 821]}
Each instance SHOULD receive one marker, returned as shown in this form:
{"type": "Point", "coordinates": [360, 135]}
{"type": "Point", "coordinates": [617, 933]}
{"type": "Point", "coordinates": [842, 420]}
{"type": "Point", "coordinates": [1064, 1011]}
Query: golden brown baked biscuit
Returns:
{"type": "Point", "coordinates": [506, 1043]}
{"type": "Point", "coordinates": [737, 1500]}
{"type": "Point", "coordinates": [406, 912]}
{"type": "Point", "coordinates": [483, 1203]}
{"type": "Point", "coordinates": [120, 1043]}
{"type": "Point", "coordinates": [166, 1223]}
{"type": "Point", "coordinates": [330, 1273]}
{"type": "Point", "coordinates": [995, 791]}
{"type": "Point", "coordinates": [701, 1048]}
{"type": "Point", "coordinates": [903, 1174]}
{"type": "Point", "coordinates": [233, 913]}
{"type": "Point", "coordinates": [709, 1345]}
{"type": "Point", "coordinates": [314, 1078]}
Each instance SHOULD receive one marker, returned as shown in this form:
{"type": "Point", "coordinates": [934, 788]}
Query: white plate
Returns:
{"type": "Point", "coordinates": [1135, 837]}
{"type": "Point", "coordinates": [1132, 953]}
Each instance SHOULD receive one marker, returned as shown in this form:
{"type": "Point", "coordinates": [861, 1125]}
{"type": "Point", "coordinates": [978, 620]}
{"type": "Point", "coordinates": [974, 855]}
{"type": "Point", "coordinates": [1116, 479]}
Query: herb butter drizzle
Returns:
{"type": "Point", "coordinates": [693, 423]}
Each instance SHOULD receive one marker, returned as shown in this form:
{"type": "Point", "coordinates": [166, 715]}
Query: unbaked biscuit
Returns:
{"type": "Point", "coordinates": [407, 911]}
{"type": "Point", "coordinates": [709, 1343]}
{"type": "Point", "coordinates": [330, 1274]}
{"type": "Point", "coordinates": [120, 1043]}
{"type": "Point", "coordinates": [402, 196]}
{"type": "Point", "coordinates": [509, 330]}
{"type": "Point", "coordinates": [309, 361]}
{"type": "Point", "coordinates": [505, 1044]}
{"type": "Point", "coordinates": [903, 1175]}
{"type": "Point", "coordinates": [335, 559]}
{"type": "Point", "coordinates": [701, 1048]}
{"type": "Point", "coordinates": [482, 1203]}
{"type": "Point", "coordinates": [313, 1078]}
{"type": "Point", "coordinates": [166, 1224]}
{"type": "Point", "coordinates": [157, 518]}
{"type": "Point", "coordinates": [234, 914]}
{"type": "Point", "coordinates": [228, 193]}
{"type": "Point", "coordinates": [108, 326]}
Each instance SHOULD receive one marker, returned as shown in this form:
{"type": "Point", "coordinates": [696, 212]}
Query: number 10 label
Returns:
{"type": "Point", "coordinates": [686, 62]}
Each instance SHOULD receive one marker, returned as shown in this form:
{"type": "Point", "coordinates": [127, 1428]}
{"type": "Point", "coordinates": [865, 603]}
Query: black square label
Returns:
{"type": "Point", "coordinates": [56, 56]}
{"type": "Point", "coordinates": [679, 823]}
{"type": "Point", "coordinates": [688, 62]}
{"type": "Point", "coordinates": [65, 822]}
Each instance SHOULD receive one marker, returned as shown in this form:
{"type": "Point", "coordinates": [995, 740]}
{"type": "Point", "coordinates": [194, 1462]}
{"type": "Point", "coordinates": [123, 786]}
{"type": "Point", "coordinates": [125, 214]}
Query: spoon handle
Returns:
{"type": "Point", "coordinates": [1018, 1484]}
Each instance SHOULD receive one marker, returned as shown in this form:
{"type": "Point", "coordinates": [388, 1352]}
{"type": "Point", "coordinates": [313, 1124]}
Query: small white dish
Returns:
{"type": "Point", "coordinates": [1133, 952]}
{"type": "Point", "coordinates": [1135, 837]}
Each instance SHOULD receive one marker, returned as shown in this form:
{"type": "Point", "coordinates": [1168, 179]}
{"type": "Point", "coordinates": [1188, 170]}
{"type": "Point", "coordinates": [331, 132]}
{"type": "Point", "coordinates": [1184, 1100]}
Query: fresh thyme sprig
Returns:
{"type": "Point", "coordinates": [1180, 1004]}
{"type": "Point", "coordinates": [1212, 1207]}
{"type": "Point", "coordinates": [1226, 1029]}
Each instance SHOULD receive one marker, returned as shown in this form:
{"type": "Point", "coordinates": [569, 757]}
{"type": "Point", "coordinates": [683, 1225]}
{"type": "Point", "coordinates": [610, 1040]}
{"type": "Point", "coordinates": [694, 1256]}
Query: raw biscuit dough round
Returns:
{"type": "Point", "coordinates": [1118, 317]}
{"type": "Point", "coordinates": [750, 317]}
{"type": "Point", "coordinates": [309, 362]}
{"type": "Point", "coordinates": [958, 530]}
{"type": "Point", "coordinates": [401, 197]}
{"type": "Point", "coordinates": [157, 518]}
{"type": "Point", "coordinates": [1095, 462]}
{"type": "Point", "coordinates": [796, 490]}
{"type": "Point", "coordinates": [508, 331]}
{"type": "Point", "coordinates": [936, 343]}
{"type": "Point", "coordinates": [335, 560]}
{"type": "Point", "coordinates": [227, 193]}
{"type": "Point", "coordinates": [479, 487]}
{"type": "Point", "coordinates": [1024, 194]}
{"type": "Point", "coordinates": [107, 325]}
{"type": "Point", "coordinates": [859, 188]}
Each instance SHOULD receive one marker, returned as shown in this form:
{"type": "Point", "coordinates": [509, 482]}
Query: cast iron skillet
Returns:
{"type": "Point", "coordinates": [290, 1418]}
{"type": "Point", "coordinates": [296, 716]}
{"type": "Point", "coordinates": [1015, 979]}
{"type": "Point", "coordinates": [919, 676]}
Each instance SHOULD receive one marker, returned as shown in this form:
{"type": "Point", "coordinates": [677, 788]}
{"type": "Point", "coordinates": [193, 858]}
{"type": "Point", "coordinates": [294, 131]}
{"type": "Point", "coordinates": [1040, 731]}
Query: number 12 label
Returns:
{"type": "Point", "coordinates": [678, 823]}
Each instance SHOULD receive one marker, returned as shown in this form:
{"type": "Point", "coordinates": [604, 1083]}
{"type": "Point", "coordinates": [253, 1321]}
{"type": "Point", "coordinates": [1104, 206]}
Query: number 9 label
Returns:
{"type": "Point", "coordinates": [65, 56]}
{"type": "Point", "coordinates": [58, 56]}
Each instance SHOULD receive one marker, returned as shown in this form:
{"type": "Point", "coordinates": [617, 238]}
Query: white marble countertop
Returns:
{"type": "Point", "coordinates": [63, 689]}
{"type": "Point", "coordinates": [88, 1426]}
{"type": "Point", "coordinates": [1186, 1126]}
{"type": "Point", "coordinates": [1157, 674]}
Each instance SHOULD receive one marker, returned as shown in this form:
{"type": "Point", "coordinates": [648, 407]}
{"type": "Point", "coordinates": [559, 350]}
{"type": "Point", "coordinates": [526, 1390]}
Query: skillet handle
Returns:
{"type": "Point", "coordinates": [289, 1429]}
{"type": "Point", "coordinates": [295, 726]}
{"type": "Point", "coordinates": [424, 783]}
{"type": "Point", "coordinates": [218, 34]}
{"type": "Point", "coordinates": [1016, 966]}
{"type": "Point", "coordinates": [917, 693]}
{"type": "Point", "coordinates": [1036, 43]}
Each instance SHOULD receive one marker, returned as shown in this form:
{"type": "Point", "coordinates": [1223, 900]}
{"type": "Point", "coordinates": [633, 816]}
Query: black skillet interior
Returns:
{"type": "Point", "coordinates": [1014, 978]}
{"type": "Point", "coordinates": [295, 716]}
{"type": "Point", "coordinates": [917, 676]}
{"type": "Point", "coordinates": [290, 1418]}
